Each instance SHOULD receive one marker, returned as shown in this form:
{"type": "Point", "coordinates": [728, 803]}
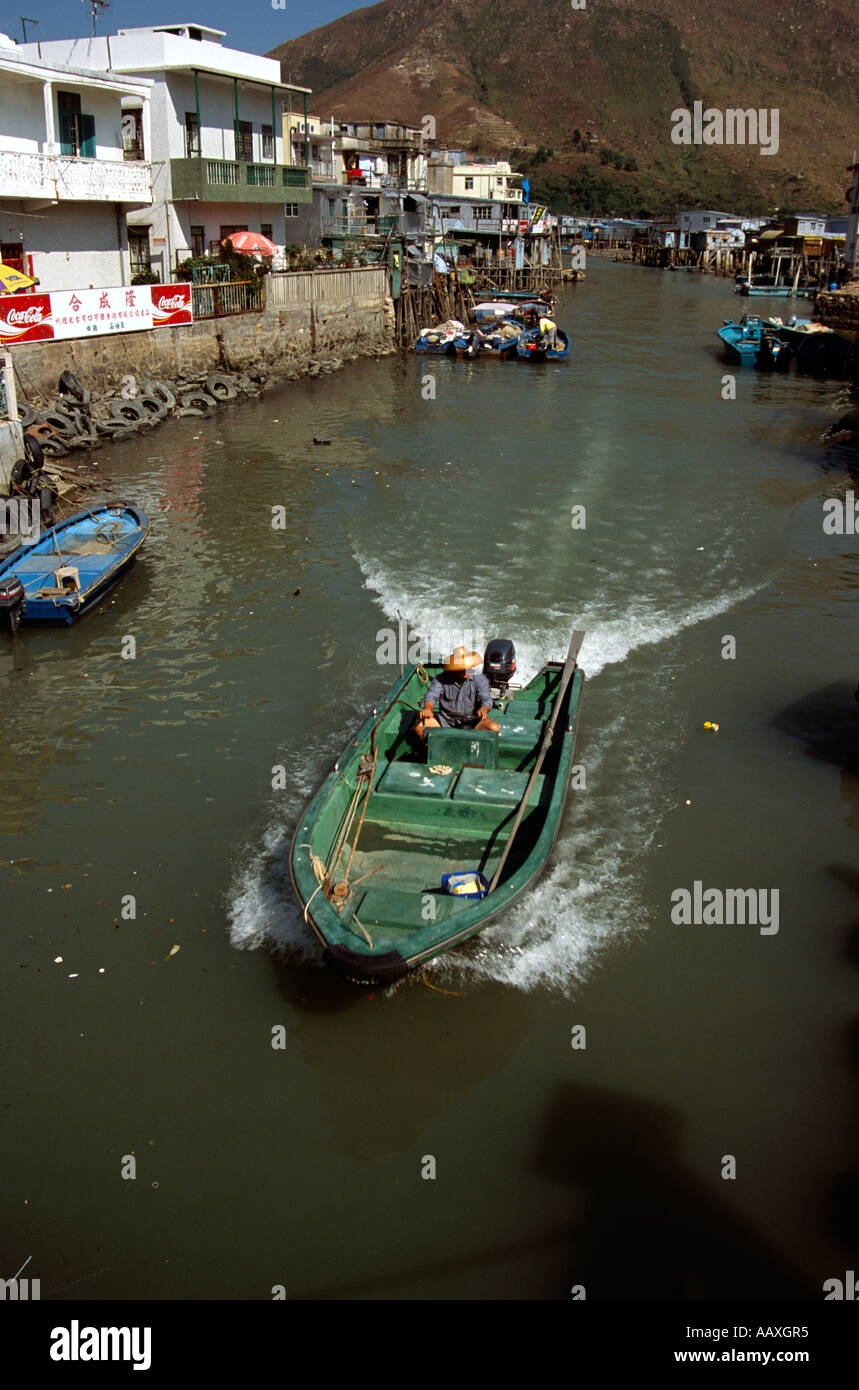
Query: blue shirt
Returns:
{"type": "Point", "coordinates": [458, 701]}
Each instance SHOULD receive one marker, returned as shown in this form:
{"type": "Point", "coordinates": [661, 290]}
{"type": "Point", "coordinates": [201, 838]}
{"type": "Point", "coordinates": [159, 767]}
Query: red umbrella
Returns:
{"type": "Point", "coordinates": [251, 242]}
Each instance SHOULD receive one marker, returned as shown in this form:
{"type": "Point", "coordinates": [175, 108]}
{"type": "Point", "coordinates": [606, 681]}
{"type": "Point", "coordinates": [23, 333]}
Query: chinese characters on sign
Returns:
{"type": "Point", "coordinates": [27, 318]}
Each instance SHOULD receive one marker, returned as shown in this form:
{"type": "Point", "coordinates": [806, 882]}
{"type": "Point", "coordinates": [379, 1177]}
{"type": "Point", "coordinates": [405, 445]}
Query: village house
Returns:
{"type": "Point", "coordinates": [68, 171]}
{"type": "Point", "coordinates": [452, 175]}
{"type": "Point", "coordinates": [216, 137]}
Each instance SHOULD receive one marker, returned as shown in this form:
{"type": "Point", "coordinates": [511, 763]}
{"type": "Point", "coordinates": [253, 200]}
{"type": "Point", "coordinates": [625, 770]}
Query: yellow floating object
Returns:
{"type": "Point", "coordinates": [714, 728]}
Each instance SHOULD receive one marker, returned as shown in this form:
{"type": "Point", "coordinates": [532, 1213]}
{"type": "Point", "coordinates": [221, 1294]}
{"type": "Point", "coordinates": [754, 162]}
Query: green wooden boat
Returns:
{"type": "Point", "coordinates": [393, 818]}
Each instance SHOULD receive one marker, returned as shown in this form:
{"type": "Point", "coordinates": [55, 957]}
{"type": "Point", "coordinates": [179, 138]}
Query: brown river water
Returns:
{"type": "Point", "coordinates": [555, 1165]}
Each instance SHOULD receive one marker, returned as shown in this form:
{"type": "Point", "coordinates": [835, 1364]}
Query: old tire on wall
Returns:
{"type": "Point", "coordinates": [162, 392]}
{"type": "Point", "coordinates": [197, 400]}
{"type": "Point", "coordinates": [127, 413]}
{"type": "Point", "coordinates": [221, 387]}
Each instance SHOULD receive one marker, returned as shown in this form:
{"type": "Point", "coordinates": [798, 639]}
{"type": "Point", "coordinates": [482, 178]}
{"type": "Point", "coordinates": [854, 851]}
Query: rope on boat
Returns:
{"type": "Point", "coordinates": [370, 777]}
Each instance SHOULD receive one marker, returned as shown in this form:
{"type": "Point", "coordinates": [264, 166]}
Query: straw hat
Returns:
{"type": "Point", "coordinates": [462, 660]}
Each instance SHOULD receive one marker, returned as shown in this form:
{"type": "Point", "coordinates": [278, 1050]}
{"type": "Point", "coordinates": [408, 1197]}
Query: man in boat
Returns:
{"type": "Point", "coordinates": [462, 694]}
{"type": "Point", "coordinates": [549, 332]}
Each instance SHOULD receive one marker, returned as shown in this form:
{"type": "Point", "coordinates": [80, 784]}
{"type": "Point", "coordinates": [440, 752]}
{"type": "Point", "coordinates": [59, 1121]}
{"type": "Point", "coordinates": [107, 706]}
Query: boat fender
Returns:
{"type": "Point", "coordinates": [70, 385]}
{"type": "Point", "coordinates": [197, 400]}
{"type": "Point", "coordinates": [33, 450]}
{"type": "Point", "coordinates": [221, 387]}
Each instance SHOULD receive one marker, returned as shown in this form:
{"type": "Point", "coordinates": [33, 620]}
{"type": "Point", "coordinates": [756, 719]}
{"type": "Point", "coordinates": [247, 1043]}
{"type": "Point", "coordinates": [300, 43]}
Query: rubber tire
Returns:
{"type": "Point", "coordinates": [190, 410]}
{"type": "Point", "coordinates": [163, 393]}
{"type": "Point", "coordinates": [70, 385]}
{"type": "Point", "coordinates": [33, 450]}
{"type": "Point", "coordinates": [58, 420]}
{"type": "Point", "coordinates": [221, 387]}
{"type": "Point", "coordinates": [54, 447]}
{"type": "Point", "coordinates": [197, 400]}
{"type": "Point", "coordinates": [22, 471]}
{"type": "Point", "coordinates": [26, 414]}
{"type": "Point", "coordinates": [128, 412]}
{"type": "Point", "coordinates": [155, 409]}
{"type": "Point", "coordinates": [121, 435]}
{"type": "Point", "coordinates": [82, 418]}
{"type": "Point", "coordinates": [115, 425]}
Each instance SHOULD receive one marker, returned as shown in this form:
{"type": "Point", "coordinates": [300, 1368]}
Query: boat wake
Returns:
{"type": "Point", "coordinates": [592, 895]}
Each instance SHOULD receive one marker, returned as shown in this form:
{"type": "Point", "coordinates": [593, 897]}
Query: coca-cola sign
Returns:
{"type": "Point", "coordinates": [25, 318]}
{"type": "Point", "coordinates": [28, 318]}
{"type": "Point", "coordinates": [171, 305]}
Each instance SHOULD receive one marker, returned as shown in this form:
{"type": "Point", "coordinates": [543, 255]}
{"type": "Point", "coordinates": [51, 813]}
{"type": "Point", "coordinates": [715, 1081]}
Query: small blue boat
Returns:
{"type": "Point", "coordinates": [531, 347]}
{"type": "Point", "coordinates": [73, 564]}
{"type": "Point", "coordinates": [742, 341]}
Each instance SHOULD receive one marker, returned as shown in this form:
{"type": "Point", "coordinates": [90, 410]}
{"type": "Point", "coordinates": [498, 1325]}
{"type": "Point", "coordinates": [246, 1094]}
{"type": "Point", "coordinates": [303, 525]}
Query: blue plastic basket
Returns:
{"type": "Point", "coordinates": [449, 882]}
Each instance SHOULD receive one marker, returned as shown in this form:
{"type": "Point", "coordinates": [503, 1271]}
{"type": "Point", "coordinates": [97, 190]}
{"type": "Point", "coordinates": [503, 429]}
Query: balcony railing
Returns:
{"type": "Point", "coordinates": [219, 301]}
{"type": "Point", "coordinates": [237, 181]}
{"type": "Point", "coordinates": [65, 178]}
{"type": "Point", "coordinates": [360, 226]}
{"type": "Point", "coordinates": [221, 171]}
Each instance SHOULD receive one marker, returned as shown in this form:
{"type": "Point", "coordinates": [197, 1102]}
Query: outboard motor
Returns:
{"type": "Point", "coordinates": [11, 601]}
{"type": "Point", "coordinates": [499, 662]}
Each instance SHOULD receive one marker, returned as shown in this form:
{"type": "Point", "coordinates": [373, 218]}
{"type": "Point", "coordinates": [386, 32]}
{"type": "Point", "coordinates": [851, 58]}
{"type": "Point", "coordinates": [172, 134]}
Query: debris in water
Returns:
{"type": "Point", "coordinates": [171, 952]}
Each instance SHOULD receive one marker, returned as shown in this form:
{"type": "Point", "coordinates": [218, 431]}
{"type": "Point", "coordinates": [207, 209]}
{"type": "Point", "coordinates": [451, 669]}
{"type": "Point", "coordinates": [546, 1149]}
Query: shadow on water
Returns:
{"type": "Point", "coordinates": [827, 722]}
{"type": "Point", "coordinates": [634, 1220]}
{"type": "Point", "coordinates": [650, 1227]}
{"type": "Point", "coordinates": [844, 1197]}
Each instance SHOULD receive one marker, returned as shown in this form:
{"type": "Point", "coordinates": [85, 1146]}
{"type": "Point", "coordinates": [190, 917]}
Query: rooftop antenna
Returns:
{"type": "Point", "coordinates": [25, 20]}
{"type": "Point", "coordinates": [96, 7]}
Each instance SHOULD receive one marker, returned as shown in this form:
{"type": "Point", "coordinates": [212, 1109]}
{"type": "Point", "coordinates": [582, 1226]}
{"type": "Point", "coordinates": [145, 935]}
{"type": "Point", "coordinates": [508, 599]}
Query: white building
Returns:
{"type": "Point", "coordinates": [450, 175]}
{"type": "Point", "coordinates": [216, 136]}
{"type": "Point", "coordinates": [66, 179]}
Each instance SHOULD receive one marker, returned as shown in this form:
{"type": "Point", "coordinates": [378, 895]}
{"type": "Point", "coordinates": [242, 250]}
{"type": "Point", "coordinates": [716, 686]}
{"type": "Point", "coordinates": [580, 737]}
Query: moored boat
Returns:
{"type": "Point", "coordinates": [532, 347]}
{"type": "Point", "coordinates": [440, 340]}
{"type": "Point", "coordinates": [499, 342]}
{"type": "Point", "coordinates": [59, 577]}
{"type": "Point", "coordinates": [373, 853]}
{"type": "Point", "coordinates": [741, 341]}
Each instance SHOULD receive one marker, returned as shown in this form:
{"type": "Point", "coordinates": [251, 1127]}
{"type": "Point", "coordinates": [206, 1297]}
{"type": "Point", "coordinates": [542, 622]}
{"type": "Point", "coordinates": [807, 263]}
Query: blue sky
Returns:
{"type": "Point", "coordinates": [250, 24]}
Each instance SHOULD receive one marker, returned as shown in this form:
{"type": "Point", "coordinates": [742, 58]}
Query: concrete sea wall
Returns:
{"type": "Point", "coordinates": [283, 340]}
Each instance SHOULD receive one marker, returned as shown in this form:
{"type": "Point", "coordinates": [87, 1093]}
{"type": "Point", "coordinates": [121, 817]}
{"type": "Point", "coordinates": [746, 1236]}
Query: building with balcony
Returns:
{"type": "Point", "coordinates": [216, 137]}
{"type": "Point", "coordinates": [380, 155]}
{"type": "Point", "coordinates": [450, 174]}
{"type": "Point", "coordinates": [66, 181]}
